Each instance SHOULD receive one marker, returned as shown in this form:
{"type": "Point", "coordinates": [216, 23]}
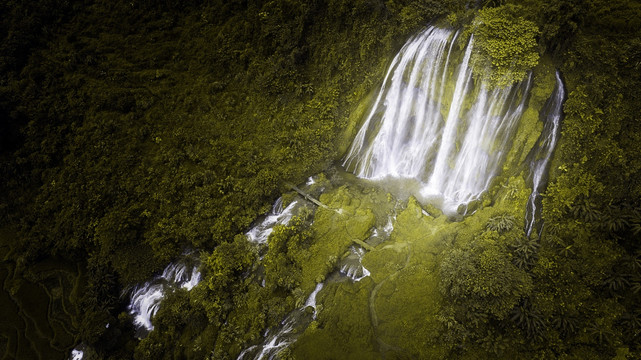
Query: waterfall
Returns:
{"type": "Point", "coordinates": [433, 124]}
{"type": "Point", "coordinates": [260, 232]}
{"type": "Point", "coordinates": [352, 266]}
{"type": "Point", "coordinates": [311, 300]}
{"type": "Point", "coordinates": [277, 339]}
{"type": "Point", "coordinates": [77, 353]}
{"type": "Point", "coordinates": [146, 298]}
{"type": "Point", "coordinates": [542, 152]}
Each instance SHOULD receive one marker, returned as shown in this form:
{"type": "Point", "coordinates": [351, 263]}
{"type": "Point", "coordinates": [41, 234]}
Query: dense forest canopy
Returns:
{"type": "Point", "coordinates": [133, 131]}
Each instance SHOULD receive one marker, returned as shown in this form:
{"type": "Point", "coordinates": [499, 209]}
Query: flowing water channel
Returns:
{"type": "Point", "coordinates": [542, 153]}
{"type": "Point", "coordinates": [431, 126]}
{"type": "Point", "coordinates": [146, 298]}
{"type": "Point", "coordinates": [437, 131]}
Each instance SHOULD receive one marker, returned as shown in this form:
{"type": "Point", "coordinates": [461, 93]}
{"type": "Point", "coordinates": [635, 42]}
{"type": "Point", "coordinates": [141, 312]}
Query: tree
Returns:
{"type": "Point", "coordinates": [505, 44]}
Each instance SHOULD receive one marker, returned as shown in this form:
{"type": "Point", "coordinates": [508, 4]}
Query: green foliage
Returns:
{"type": "Point", "coordinates": [225, 269]}
{"type": "Point", "coordinates": [525, 252]}
{"type": "Point", "coordinates": [481, 278]}
{"type": "Point", "coordinates": [138, 129]}
{"type": "Point", "coordinates": [181, 330]}
{"type": "Point", "coordinates": [505, 43]}
{"type": "Point", "coordinates": [501, 223]}
{"type": "Point", "coordinates": [174, 126]}
{"type": "Point", "coordinates": [288, 249]}
{"type": "Point", "coordinates": [530, 320]}
{"type": "Point", "coordinates": [591, 206]}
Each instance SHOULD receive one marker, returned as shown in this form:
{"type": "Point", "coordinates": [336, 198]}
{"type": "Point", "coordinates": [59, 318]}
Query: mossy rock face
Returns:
{"type": "Point", "coordinates": [363, 320]}
{"type": "Point", "coordinates": [411, 223]}
{"type": "Point", "coordinates": [544, 83]}
{"type": "Point", "coordinates": [411, 326]}
{"type": "Point", "coordinates": [342, 329]}
{"type": "Point", "coordinates": [530, 124]}
{"type": "Point", "coordinates": [433, 210]}
{"type": "Point", "coordinates": [405, 271]}
{"type": "Point", "coordinates": [349, 218]}
{"type": "Point", "coordinates": [412, 226]}
{"type": "Point", "coordinates": [385, 261]}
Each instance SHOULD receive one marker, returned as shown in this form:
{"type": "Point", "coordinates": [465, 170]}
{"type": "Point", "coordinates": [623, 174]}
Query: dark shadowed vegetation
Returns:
{"type": "Point", "coordinates": [132, 131]}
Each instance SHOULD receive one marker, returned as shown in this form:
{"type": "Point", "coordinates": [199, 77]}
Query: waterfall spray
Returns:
{"type": "Point", "coordinates": [433, 124]}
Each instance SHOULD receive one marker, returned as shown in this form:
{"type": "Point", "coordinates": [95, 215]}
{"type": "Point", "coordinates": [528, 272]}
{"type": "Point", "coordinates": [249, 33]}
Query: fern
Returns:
{"type": "Point", "coordinates": [586, 210]}
{"type": "Point", "coordinates": [529, 319]}
{"type": "Point", "coordinates": [616, 281]}
{"type": "Point", "coordinates": [566, 324]}
{"type": "Point", "coordinates": [501, 223]}
{"type": "Point", "coordinates": [525, 253]}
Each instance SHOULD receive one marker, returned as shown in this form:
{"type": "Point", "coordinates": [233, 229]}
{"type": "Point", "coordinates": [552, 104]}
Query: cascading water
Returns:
{"type": "Point", "coordinates": [311, 300]}
{"type": "Point", "coordinates": [278, 339]}
{"type": "Point", "coordinates": [352, 266]}
{"type": "Point", "coordinates": [433, 124]}
{"type": "Point", "coordinates": [278, 215]}
{"type": "Point", "coordinates": [146, 298]}
{"type": "Point", "coordinates": [542, 152]}
{"type": "Point", "coordinates": [77, 353]}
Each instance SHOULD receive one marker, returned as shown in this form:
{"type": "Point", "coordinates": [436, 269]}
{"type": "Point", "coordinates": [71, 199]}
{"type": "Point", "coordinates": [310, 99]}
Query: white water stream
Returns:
{"type": "Point", "coordinates": [433, 124]}
{"type": "Point", "coordinates": [352, 267]}
{"type": "Point", "coordinates": [146, 298]}
{"type": "Point", "coordinates": [542, 152]}
{"type": "Point", "coordinates": [276, 340]}
{"type": "Point", "coordinates": [278, 216]}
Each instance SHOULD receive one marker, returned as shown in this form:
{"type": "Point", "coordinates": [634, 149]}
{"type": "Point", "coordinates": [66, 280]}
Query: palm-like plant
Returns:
{"type": "Point", "coordinates": [553, 228]}
{"type": "Point", "coordinates": [631, 321]}
{"type": "Point", "coordinates": [525, 252]}
{"type": "Point", "coordinates": [635, 282]}
{"type": "Point", "coordinates": [566, 324]}
{"type": "Point", "coordinates": [501, 223]}
{"type": "Point", "coordinates": [494, 342]}
{"type": "Point", "coordinates": [585, 209]}
{"type": "Point", "coordinates": [511, 190]}
{"type": "Point", "coordinates": [614, 218]}
{"type": "Point", "coordinates": [602, 334]}
{"type": "Point", "coordinates": [529, 319]}
{"type": "Point", "coordinates": [562, 248]}
{"type": "Point", "coordinates": [616, 281]}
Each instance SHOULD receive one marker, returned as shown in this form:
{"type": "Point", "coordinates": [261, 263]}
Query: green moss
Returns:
{"type": "Point", "coordinates": [412, 327]}
{"type": "Point", "coordinates": [406, 272]}
{"type": "Point", "coordinates": [357, 115]}
{"type": "Point", "coordinates": [505, 44]}
{"type": "Point", "coordinates": [531, 124]}
{"type": "Point", "coordinates": [385, 261]}
{"type": "Point", "coordinates": [335, 232]}
{"type": "Point", "coordinates": [342, 328]}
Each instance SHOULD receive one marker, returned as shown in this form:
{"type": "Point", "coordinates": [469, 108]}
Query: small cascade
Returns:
{"type": "Point", "coordinates": [275, 341]}
{"type": "Point", "coordinates": [145, 301]}
{"type": "Point", "coordinates": [77, 353]}
{"type": "Point", "coordinates": [278, 215]}
{"type": "Point", "coordinates": [310, 181]}
{"type": "Point", "coordinates": [290, 328]}
{"type": "Point", "coordinates": [541, 154]}
{"type": "Point", "coordinates": [433, 124]}
{"type": "Point", "coordinates": [311, 300]}
{"type": "Point", "coordinates": [146, 298]}
{"type": "Point", "coordinates": [389, 227]}
{"type": "Point", "coordinates": [352, 267]}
